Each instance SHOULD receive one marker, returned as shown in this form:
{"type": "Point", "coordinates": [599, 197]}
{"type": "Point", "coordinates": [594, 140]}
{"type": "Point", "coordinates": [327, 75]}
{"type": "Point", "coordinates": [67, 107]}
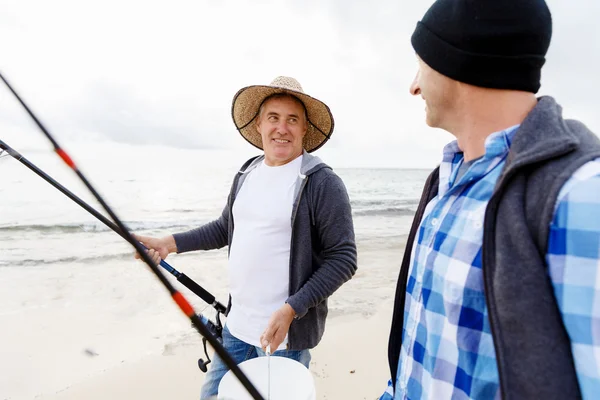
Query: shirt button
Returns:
{"type": "Point", "coordinates": [434, 222]}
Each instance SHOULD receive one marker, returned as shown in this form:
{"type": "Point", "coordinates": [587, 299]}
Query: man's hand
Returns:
{"type": "Point", "coordinates": [278, 327]}
{"type": "Point", "coordinates": [160, 248]}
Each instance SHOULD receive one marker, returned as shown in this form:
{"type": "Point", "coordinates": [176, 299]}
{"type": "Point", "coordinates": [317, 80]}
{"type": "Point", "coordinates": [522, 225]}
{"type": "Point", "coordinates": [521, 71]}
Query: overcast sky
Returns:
{"type": "Point", "coordinates": [164, 73]}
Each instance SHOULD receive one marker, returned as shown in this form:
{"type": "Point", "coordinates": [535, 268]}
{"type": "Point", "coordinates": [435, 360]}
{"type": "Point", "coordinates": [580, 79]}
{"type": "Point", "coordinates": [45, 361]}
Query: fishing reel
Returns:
{"type": "Point", "coordinates": [216, 329]}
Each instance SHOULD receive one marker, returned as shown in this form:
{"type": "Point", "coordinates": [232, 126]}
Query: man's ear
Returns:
{"type": "Point", "coordinates": [257, 124]}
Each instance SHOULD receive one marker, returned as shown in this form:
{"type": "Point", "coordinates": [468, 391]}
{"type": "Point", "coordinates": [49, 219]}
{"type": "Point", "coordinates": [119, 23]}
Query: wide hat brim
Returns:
{"type": "Point", "coordinates": [247, 102]}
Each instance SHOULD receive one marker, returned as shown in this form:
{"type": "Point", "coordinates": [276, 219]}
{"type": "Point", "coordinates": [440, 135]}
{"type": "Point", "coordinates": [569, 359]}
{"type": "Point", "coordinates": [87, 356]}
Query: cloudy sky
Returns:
{"type": "Point", "coordinates": [163, 73]}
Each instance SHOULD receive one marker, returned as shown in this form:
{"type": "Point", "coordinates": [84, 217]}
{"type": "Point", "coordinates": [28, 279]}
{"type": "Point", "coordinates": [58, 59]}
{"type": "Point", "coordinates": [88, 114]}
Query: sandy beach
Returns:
{"type": "Point", "coordinates": [94, 337]}
{"type": "Point", "coordinates": [350, 363]}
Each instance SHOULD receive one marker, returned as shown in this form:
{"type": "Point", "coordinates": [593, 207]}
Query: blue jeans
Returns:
{"type": "Point", "coordinates": [241, 351]}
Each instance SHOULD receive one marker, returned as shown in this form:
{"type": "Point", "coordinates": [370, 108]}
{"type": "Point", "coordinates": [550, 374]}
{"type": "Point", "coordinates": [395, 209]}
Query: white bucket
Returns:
{"type": "Point", "coordinates": [290, 380]}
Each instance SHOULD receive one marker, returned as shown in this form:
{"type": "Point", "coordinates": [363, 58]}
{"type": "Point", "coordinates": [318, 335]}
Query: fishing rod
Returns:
{"type": "Point", "coordinates": [215, 328]}
{"type": "Point", "coordinates": [177, 297]}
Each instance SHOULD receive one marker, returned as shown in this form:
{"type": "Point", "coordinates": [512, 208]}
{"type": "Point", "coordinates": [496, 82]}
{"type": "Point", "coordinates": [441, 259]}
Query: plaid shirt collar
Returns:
{"type": "Point", "coordinates": [496, 145]}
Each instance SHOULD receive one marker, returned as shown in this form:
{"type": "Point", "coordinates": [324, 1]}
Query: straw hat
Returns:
{"type": "Point", "coordinates": [247, 102]}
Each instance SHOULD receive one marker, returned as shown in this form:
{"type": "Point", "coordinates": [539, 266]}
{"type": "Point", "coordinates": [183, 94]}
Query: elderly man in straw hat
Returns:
{"type": "Point", "coordinates": [288, 225]}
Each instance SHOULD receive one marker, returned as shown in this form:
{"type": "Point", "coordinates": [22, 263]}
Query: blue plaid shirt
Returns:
{"type": "Point", "coordinates": [447, 348]}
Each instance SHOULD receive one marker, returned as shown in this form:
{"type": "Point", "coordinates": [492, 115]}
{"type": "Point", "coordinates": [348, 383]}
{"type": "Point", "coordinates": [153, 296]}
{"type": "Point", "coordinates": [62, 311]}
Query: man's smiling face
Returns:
{"type": "Point", "coordinates": [282, 125]}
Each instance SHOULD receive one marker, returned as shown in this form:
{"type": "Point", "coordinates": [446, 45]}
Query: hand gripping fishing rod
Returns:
{"type": "Point", "coordinates": [177, 297]}
{"type": "Point", "coordinates": [215, 328]}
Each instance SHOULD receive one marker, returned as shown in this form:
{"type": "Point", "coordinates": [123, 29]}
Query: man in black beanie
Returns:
{"type": "Point", "coordinates": [499, 289]}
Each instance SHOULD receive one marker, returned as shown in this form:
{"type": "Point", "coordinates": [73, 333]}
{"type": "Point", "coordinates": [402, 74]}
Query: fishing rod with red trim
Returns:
{"type": "Point", "coordinates": [177, 297]}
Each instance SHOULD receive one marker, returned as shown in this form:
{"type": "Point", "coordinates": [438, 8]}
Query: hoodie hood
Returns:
{"type": "Point", "coordinates": [310, 165]}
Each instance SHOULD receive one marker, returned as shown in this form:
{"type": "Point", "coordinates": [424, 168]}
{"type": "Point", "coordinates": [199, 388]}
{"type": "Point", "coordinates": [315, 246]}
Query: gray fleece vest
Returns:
{"type": "Point", "coordinates": [532, 346]}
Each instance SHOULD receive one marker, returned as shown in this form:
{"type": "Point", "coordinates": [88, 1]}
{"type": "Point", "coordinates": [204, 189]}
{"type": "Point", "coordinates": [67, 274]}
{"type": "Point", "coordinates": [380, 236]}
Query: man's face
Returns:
{"type": "Point", "coordinates": [439, 93]}
{"type": "Point", "coordinates": [282, 125]}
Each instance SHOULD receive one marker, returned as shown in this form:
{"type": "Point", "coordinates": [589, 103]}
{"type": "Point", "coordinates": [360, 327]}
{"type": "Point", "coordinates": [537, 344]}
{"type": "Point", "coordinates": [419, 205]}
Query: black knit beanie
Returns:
{"type": "Point", "coordinates": [497, 44]}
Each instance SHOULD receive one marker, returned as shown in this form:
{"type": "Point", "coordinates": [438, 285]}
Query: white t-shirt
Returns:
{"type": "Point", "coordinates": [259, 258]}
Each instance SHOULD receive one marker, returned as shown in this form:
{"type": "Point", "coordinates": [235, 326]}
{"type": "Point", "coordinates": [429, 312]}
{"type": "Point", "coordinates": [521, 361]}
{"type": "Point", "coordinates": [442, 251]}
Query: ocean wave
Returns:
{"type": "Point", "coordinates": [33, 262]}
{"type": "Point", "coordinates": [91, 227]}
{"type": "Point", "coordinates": [385, 212]}
{"type": "Point", "coordinates": [370, 203]}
